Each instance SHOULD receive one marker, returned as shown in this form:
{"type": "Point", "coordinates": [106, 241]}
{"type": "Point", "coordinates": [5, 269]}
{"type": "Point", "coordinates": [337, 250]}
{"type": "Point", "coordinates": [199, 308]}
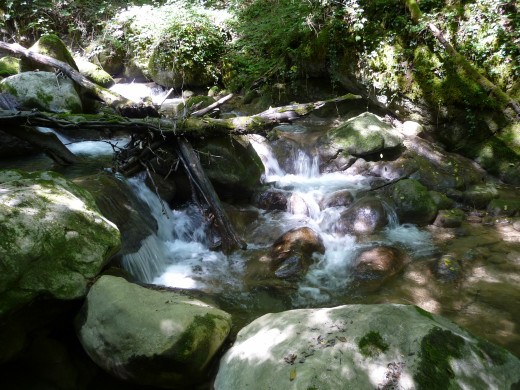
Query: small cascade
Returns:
{"type": "Point", "coordinates": [137, 92]}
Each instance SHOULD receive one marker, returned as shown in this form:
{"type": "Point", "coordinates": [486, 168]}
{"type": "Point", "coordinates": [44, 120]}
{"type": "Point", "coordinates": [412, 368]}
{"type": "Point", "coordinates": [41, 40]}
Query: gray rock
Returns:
{"type": "Point", "coordinates": [44, 91]}
{"type": "Point", "coordinates": [478, 196]}
{"type": "Point", "coordinates": [53, 239]}
{"type": "Point", "coordinates": [363, 347]}
{"type": "Point", "coordinates": [449, 218]}
{"type": "Point", "coordinates": [150, 336]}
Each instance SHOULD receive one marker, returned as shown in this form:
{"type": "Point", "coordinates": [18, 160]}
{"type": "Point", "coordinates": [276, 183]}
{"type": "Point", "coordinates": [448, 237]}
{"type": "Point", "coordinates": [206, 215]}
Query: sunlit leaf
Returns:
{"type": "Point", "coordinates": [293, 374]}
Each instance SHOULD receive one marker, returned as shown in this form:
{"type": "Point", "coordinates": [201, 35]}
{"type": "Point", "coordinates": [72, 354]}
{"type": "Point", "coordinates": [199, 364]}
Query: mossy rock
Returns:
{"type": "Point", "coordinates": [364, 135]}
{"type": "Point", "coordinates": [43, 91]}
{"type": "Point", "coordinates": [9, 66]}
{"type": "Point", "coordinates": [94, 73]}
{"type": "Point", "coordinates": [395, 346]}
{"type": "Point", "coordinates": [413, 202]}
{"type": "Point", "coordinates": [504, 207]}
{"type": "Point", "coordinates": [110, 57]}
{"type": "Point", "coordinates": [50, 45]}
{"type": "Point", "coordinates": [150, 336]}
{"type": "Point", "coordinates": [53, 239]}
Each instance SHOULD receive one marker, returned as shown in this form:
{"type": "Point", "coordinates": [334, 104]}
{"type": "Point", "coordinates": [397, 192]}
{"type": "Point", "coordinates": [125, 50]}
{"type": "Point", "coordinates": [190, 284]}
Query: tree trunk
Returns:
{"type": "Point", "coordinates": [504, 99]}
{"type": "Point", "coordinates": [112, 99]}
{"type": "Point", "coordinates": [229, 238]}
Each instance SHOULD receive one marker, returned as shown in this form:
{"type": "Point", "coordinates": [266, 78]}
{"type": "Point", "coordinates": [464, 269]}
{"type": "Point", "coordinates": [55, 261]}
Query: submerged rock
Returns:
{"type": "Point", "coordinates": [271, 199]}
{"type": "Point", "coordinates": [149, 336]}
{"type": "Point", "coordinates": [53, 239]}
{"type": "Point", "coordinates": [44, 91]}
{"type": "Point", "coordinates": [363, 347]}
{"type": "Point", "coordinates": [365, 216]}
{"type": "Point", "coordinates": [337, 199]}
{"type": "Point", "coordinates": [373, 267]}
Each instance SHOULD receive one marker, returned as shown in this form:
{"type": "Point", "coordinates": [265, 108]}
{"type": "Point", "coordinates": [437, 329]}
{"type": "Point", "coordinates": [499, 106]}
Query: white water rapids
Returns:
{"type": "Point", "coordinates": [178, 254]}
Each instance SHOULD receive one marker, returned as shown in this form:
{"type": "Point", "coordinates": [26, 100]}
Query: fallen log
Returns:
{"type": "Point", "coordinates": [117, 102]}
{"type": "Point", "coordinates": [229, 238]}
{"type": "Point", "coordinates": [211, 107]}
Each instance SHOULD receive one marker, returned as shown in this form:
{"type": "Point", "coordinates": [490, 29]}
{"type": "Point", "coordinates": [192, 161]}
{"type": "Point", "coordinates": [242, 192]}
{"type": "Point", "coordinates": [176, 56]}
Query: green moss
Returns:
{"type": "Point", "coordinates": [489, 351]}
{"type": "Point", "coordinates": [8, 66]}
{"type": "Point", "coordinates": [434, 371]}
{"type": "Point", "coordinates": [372, 344]}
{"type": "Point", "coordinates": [195, 343]}
{"type": "Point", "coordinates": [424, 313]}
{"type": "Point", "coordinates": [43, 97]}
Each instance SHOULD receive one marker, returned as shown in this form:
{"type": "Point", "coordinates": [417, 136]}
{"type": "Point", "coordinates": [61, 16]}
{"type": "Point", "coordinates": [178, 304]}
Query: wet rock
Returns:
{"type": "Point", "coordinates": [232, 165]}
{"type": "Point", "coordinates": [53, 239]}
{"type": "Point", "coordinates": [373, 267]}
{"type": "Point", "coordinates": [41, 91]}
{"type": "Point", "coordinates": [271, 199]}
{"type": "Point", "coordinates": [359, 167]}
{"type": "Point", "coordinates": [341, 198]}
{"type": "Point", "coordinates": [413, 202]}
{"type": "Point", "coordinates": [364, 135]}
{"type": "Point", "coordinates": [504, 207]}
{"type": "Point", "coordinates": [165, 188]}
{"type": "Point", "coordinates": [291, 254]}
{"type": "Point", "coordinates": [447, 268]}
{"type": "Point", "coordinates": [397, 346]}
{"type": "Point", "coordinates": [364, 217]}
{"type": "Point", "coordinates": [478, 196]}
{"type": "Point", "coordinates": [449, 218]}
{"type": "Point", "coordinates": [148, 336]}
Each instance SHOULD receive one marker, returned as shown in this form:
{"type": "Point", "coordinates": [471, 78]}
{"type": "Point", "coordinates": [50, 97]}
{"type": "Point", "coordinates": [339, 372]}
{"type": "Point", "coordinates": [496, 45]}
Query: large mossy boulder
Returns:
{"type": "Point", "coordinates": [414, 204]}
{"type": "Point", "coordinates": [43, 91]}
{"type": "Point", "coordinates": [387, 346]}
{"type": "Point", "coordinates": [94, 73]}
{"type": "Point", "coordinates": [150, 336]}
{"type": "Point", "coordinates": [232, 165]}
{"type": "Point", "coordinates": [363, 135]}
{"type": "Point", "coordinates": [50, 45]}
{"type": "Point", "coordinates": [9, 66]}
{"type": "Point", "coordinates": [53, 239]}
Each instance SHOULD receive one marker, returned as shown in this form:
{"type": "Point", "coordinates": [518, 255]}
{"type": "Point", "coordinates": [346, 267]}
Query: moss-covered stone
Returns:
{"type": "Point", "coordinates": [53, 239]}
{"type": "Point", "coordinates": [413, 202]}
{"type": "Point", "coordinates": [363, 135]}
{"type": "Point", "coordinates": [94, 73]}
{"type": "Point", "coordinates": [43, 91]}
{"type": "Point", "coordinates": [150, 336]}
{"type": "Point", "coordinates": [50, 45]}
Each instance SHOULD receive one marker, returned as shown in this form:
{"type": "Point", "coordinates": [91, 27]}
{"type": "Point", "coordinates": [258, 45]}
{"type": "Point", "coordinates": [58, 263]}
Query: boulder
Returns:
{"type": "Point", "coordinates": [232, 165]}
{"type": "Point", "coordinates": [11, 146]}
{"type": "Point", "coordinates": [363, 135]}
{"type": "Point", "coordinates": [291, 254]}
{"type": "Point", "coordinates": [365, 216]}
{"type": "Point", "coordinates": [44, 91]}
{"type": "Point", "coordinates": [504, 207]}
{"type": "Point", "coordinates": [478, 196]}
{"type": "Point", "coordinates": [94, 73]}
{"type": "Point", "coordinates": [413, 202]}
{"type": "Point", "coordinates": [386, 346]}
{"type": "Point", "coordinates": [449, 218]}
{"type": "Point", "coordinates": [50, 45]}
{"type": "Point", "coordinates": [109, 56]}
{"type": "Point", "coordinates": [341, 198]}
{"type": "Point", "coordinates": [9, 66]}
{"type": "Point", "coordinates": [150, 336]}
{"type": "Point", "coordinates": [53, 239]}
{"type": "Point", "coordinates": [376, 265]}
{"type": "Point", "coordinates": [271, 199]}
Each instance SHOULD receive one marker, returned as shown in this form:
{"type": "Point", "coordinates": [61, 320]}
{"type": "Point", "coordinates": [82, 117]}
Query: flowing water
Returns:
{"type": "Point", "coordinates": [485, 298]}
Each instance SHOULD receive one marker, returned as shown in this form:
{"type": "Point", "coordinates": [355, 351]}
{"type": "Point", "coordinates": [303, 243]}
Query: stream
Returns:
{"type": "Point", "coordinates": [485, 299]}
